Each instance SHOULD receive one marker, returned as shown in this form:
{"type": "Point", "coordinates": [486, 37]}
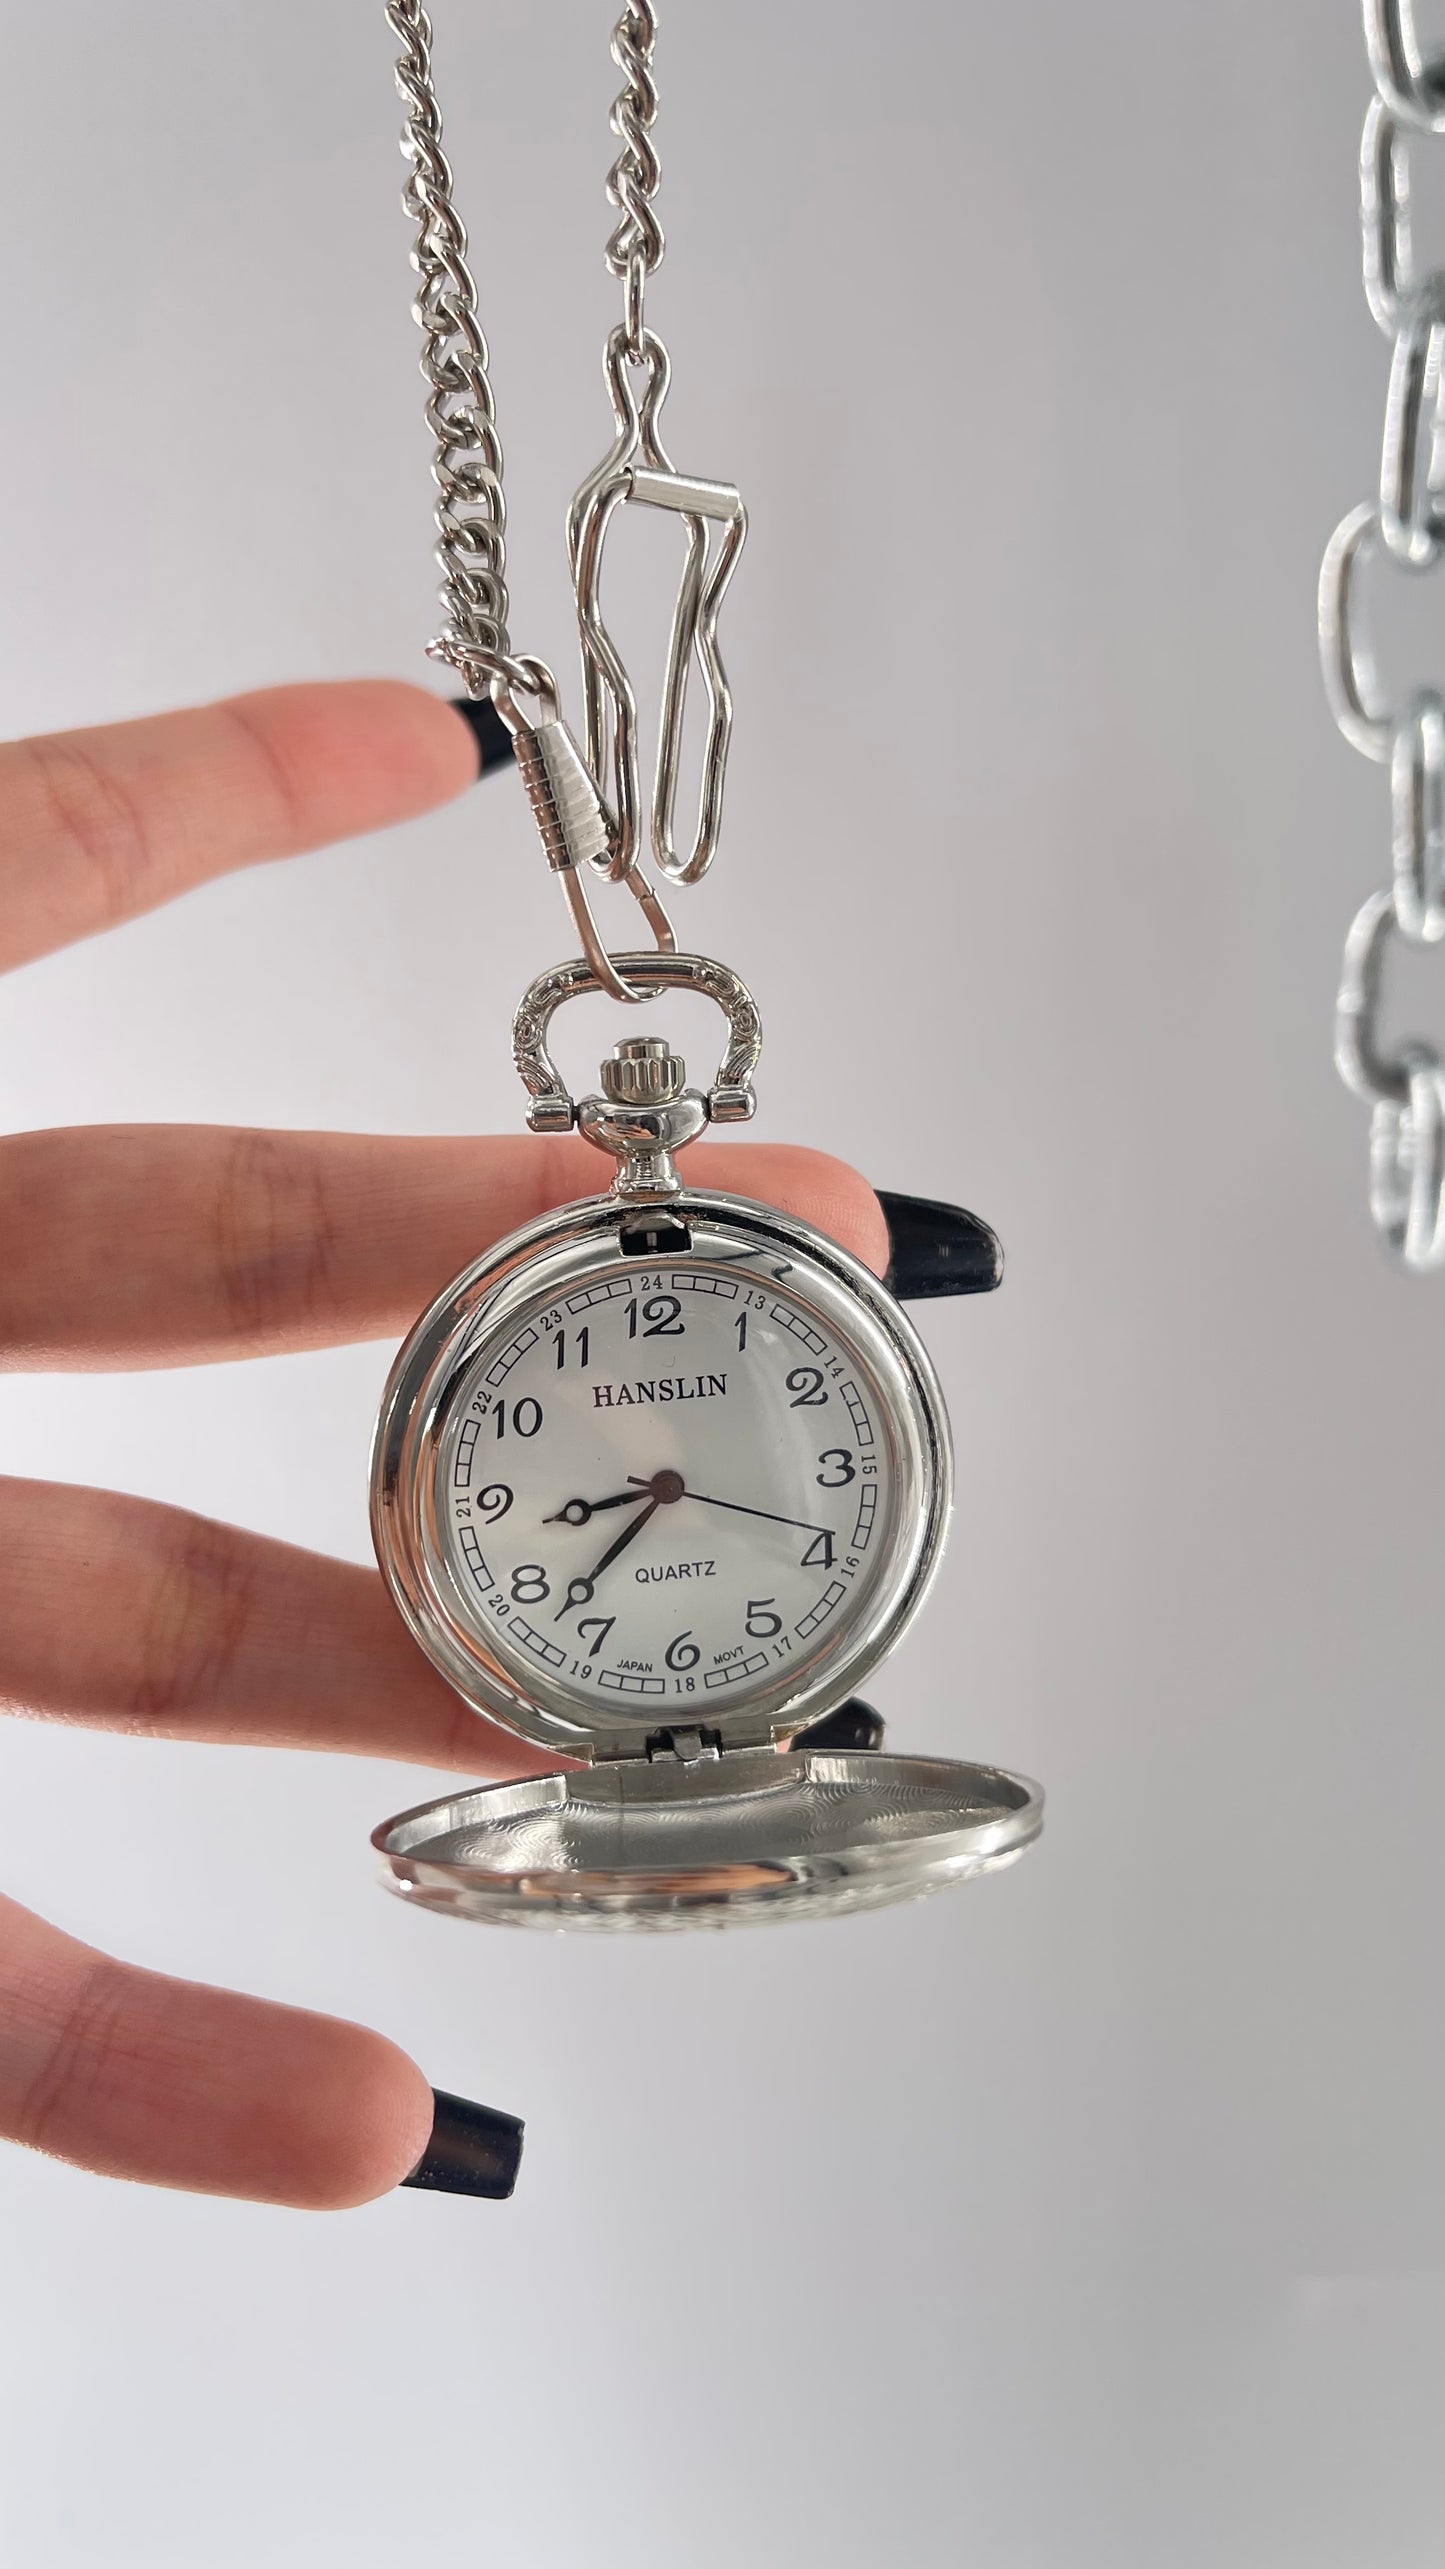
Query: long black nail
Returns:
{"type": "Point", "coordinates": [494, 741]}
{"type": "Point", "coordinates": [853, 1726]}
{"type": "Point", "coordinates": [473, 2149]}
{"type": "Point", "coordinates": [937, 1249]}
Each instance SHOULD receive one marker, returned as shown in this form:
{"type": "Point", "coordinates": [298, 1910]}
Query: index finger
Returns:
{"type": "Point", "coordinates": [98, 825]}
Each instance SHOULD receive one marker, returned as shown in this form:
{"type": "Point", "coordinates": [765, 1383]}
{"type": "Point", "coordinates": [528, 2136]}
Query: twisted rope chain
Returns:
{"type": "Point", "coordinates": [637, 244]}
{"type": "Point", "coordinates": [1403, 1085]}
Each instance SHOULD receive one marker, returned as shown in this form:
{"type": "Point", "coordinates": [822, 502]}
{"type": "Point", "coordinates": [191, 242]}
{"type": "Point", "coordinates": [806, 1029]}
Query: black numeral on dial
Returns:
{"type": "Point", "coordinates": [763, 1624]}
{"type": "Point", "coordinates": [601, 1625]}
{"type": "Point", "coordinates": [806, 1384]}
{"type": "Point", "coordinates": [683, 1652]}
{"type": "Point", "coordinates": [526, 1417]}
{"type": "Point", "coordinates": [819, 1555]}
{"type": "Point", "coordinates": [842, 1457]}
{"type": "Point", "coordinates": [493, 1501]}
{"type": "Point", "coordinates": [530, 1584]}
{"type": "Point", "coordinates": [661, 1316]}
{"type": "Point", "coordinates": [582, 1341]}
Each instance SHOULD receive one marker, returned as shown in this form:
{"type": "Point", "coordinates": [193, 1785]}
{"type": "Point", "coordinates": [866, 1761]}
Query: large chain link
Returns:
{"type": "Point", "coordinates": [1403, 1085]}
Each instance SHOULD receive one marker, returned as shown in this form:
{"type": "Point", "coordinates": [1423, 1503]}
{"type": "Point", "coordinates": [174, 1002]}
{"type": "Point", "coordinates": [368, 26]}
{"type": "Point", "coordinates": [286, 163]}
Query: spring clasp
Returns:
{"type": "Point", "coordinates": [573, 821]}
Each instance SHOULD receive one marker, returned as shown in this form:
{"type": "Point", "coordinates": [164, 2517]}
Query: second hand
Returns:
{"type": "Point", "coordinates": [804, 1524]}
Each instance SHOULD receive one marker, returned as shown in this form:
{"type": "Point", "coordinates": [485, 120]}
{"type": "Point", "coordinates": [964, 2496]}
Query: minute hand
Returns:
{"type": "Point", "coordinates": [628, 1535]}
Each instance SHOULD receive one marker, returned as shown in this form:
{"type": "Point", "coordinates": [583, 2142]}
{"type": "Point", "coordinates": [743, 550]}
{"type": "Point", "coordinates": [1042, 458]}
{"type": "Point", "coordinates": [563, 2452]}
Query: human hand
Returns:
{"type": "Point", "coordinates": [174, 1245]}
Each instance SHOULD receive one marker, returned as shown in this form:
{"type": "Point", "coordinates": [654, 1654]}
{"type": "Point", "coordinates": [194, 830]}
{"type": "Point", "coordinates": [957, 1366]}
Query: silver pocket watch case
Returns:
{"type": "Point", "coordinates": [749, 1790]}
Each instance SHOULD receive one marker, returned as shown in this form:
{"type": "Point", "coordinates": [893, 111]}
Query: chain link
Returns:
{"type": "Point", "coordinates": [1403, 1084]}
{"type": "Point", "coordinates": [1409, 85]}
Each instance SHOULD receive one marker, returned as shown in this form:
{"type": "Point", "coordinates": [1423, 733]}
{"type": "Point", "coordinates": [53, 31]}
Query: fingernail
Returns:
{"type": "Point", "coordinates": [937, 1249]}
{"type": "Point", "coordinates": [494, 741]}
{"type": "Point", "coordinates": [473, 2149]}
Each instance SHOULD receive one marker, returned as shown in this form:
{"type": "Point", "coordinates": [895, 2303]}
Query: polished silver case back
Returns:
{"type": "Point", "coordinates": [671, 1827]}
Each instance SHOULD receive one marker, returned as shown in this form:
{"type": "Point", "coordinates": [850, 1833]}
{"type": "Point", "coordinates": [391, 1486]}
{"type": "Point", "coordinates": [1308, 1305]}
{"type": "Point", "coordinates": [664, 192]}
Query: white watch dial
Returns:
{"type": "Point", "coordinates": [664, 1490]}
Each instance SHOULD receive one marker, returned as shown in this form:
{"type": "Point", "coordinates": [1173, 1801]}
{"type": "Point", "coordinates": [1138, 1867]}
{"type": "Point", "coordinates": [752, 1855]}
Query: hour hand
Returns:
{"type": "Point", "coordinates": [579, 1591]}
{"type": "Point", "coordinates": [580, 1511]}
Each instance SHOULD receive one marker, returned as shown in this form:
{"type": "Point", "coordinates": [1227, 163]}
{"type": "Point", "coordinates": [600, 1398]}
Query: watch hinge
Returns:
{"type": "Point", "coordinates": [690, 1747]}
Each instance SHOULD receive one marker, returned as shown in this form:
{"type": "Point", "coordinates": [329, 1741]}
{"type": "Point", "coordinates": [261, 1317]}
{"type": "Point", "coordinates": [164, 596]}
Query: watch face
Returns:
{"type": "Point", "coordinates": [675, 1491]}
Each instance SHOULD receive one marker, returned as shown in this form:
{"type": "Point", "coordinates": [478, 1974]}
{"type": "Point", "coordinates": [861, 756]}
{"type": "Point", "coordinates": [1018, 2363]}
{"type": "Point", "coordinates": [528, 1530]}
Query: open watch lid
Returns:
{"type": "Point", "coordinates": [695, 1835]}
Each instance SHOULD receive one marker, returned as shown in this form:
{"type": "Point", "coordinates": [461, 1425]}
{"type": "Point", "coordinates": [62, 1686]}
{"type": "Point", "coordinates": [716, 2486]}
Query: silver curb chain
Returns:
{"type": "Point", "coordinates": [471, 511]}
{"type": "Point", "coordinates": [586, 800]}
{"type": "Point", "coordinates": [1403, 1084]}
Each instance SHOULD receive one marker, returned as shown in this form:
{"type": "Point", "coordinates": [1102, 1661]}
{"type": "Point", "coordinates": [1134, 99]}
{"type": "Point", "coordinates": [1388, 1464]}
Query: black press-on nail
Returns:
{"type": "Point", "coordinates": [473, 2149]}
{"type": "Point", "coordinates": [853, 1726]}
{"type": "Point", "coordinates": [937, 1249]}
{"type": "Point", "coordinates": [494, 741]}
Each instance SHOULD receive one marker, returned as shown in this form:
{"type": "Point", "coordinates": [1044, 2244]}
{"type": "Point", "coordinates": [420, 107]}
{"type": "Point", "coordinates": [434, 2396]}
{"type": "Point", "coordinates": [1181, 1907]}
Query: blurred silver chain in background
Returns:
{"type": "Point", "coordinates": [586, 805]}
{"type": "Point", "coordinates": [1402, 1083]}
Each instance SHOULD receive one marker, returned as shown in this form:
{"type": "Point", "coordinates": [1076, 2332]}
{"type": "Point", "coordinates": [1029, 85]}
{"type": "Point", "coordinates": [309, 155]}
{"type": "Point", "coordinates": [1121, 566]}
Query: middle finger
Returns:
{"type": "Point", "coordinates": [135, 1245]}
{"type": "Point", "coordinates": [121, 1614]}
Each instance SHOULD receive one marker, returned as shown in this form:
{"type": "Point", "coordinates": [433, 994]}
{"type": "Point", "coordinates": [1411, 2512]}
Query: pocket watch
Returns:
{"type": "Point", "coordinates": [657, 1483]}
{"type": "Point", "coordinates": [660, 1480]}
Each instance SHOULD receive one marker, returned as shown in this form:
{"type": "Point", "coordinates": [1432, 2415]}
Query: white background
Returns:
{"type": "Point", "coordinates": [1092, 2216]}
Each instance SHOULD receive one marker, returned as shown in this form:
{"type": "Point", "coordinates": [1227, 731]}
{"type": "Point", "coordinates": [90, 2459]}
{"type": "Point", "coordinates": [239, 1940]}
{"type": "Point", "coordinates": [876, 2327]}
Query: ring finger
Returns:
{"type": "Point", "coordinates": [178, 1628]}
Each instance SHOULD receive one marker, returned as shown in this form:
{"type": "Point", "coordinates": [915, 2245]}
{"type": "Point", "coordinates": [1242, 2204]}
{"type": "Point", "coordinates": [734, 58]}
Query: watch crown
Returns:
{"type": "Point", "coordinates": [643, 1071]}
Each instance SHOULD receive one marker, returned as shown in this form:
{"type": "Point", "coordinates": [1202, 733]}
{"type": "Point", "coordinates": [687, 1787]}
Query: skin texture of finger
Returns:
{"type": "Point", "coordinates": [169, 1245]}
{"type": "Point", "coordinates": [135, 2075]}
{"type": "Point", "coordinates": [97, 825]}
{"type": "Point", "coordinates": [180, 1628]}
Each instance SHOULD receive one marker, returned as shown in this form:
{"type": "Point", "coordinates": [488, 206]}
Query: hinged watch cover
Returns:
{"type": "Point", "coordinates": [723, 1840]}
